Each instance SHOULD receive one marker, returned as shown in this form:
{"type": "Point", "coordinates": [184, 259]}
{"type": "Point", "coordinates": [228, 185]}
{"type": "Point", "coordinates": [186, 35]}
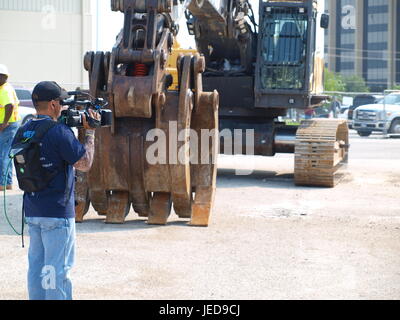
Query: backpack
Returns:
{"type": "Point", "coordinates": [25, 151]}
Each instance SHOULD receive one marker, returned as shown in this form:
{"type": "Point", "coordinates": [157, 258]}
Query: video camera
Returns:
{"type": "Point", "coordinates": [77, 107]}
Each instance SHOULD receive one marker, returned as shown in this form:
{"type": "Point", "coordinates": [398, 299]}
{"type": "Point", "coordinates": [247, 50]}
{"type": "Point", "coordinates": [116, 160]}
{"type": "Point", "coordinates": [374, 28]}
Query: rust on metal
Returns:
{"type": "Point", "coordinates": [121, 177]}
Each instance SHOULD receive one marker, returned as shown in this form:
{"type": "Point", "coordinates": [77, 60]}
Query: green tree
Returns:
{"type": "Point", "coordinates": [355, 84]}
{"type": "Point", "coordinates": [395, 87]}
{"type": "Point", "coordinates": [333, 82]}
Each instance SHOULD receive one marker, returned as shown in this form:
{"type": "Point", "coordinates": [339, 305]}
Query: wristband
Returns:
{"type": "Point", "coordinates": [90, 133]}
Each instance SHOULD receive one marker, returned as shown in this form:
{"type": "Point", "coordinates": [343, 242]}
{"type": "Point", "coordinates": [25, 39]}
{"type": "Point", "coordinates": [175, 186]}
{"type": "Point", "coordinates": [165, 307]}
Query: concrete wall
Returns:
{"type": "Point", "coordinates": [46, 42]}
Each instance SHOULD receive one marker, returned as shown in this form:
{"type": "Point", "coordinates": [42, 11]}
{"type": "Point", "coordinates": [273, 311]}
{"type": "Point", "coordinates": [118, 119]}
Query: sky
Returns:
{"type": "Point", "coordinates": [109, 24]}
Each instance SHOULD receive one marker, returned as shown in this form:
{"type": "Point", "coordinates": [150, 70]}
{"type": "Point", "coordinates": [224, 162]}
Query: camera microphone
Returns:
{"type": "Point", "coordinates": [74, 93]}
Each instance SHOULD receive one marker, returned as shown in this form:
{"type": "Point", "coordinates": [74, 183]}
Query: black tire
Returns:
{"type": "Point", "coordinates": [395, 127]}
{"type": "Point", "coordinates": [364, 133]}
{"type": "Point", "coordinates": [27, 118]}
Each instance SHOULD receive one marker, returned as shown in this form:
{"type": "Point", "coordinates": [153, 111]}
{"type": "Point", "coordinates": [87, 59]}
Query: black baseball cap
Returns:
{"type": "Point", "coordinates": [47, 91]}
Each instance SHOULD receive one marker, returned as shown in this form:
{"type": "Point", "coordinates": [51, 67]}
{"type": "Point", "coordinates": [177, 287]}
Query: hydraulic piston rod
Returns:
{"type": "Point", "coordinates": [285, 139]}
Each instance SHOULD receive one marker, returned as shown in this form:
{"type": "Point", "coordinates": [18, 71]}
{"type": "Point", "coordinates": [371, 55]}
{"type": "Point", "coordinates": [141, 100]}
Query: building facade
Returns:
{"type": "Point", "coordinates": [46, 40]}
{"type": "Point", "coordinates": [364, 40]}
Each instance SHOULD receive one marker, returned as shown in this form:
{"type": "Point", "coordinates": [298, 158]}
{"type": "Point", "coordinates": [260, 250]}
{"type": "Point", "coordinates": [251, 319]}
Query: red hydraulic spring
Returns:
{"type": "Point", "coordinates": [140, 70]}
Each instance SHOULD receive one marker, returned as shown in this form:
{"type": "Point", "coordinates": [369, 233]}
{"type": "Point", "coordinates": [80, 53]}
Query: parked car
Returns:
{"type": "Point", "coordinates": [24, 97]}
{"type": "Point", "coordinates": [359, 100]}
{"type": "Point", "coordinates": [321, 112]}
{"type": "Point", "coordinates": [380, 117]}
{"type": "Point", "coordinates": [26, 109]}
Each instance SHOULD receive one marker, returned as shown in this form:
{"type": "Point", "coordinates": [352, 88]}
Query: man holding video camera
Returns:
{"type": "Point", "coordinates": [50, 213]}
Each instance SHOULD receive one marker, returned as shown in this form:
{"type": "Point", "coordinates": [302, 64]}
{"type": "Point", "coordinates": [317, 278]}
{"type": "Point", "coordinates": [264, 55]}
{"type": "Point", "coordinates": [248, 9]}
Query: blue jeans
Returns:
{"type": "Point", "coordinates": [51, 257]}
{"type": "Point", "coordinates": [6, 139]}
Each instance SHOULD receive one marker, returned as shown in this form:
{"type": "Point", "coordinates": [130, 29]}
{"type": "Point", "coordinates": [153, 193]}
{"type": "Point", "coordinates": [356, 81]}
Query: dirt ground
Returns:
{"type": "Point", "coordinates": [267, 239]}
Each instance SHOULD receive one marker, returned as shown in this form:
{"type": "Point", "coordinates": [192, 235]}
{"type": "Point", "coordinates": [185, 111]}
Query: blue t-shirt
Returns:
{"type": "Point", "coordinates": [60, 150]}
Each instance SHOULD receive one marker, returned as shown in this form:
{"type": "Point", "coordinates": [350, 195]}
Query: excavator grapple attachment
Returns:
{"type": "Point", "coordinates": [156, 164]}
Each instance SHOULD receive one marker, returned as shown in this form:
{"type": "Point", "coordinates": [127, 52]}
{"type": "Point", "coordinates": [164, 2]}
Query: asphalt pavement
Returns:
{"type": "Point", "coordinates": [267, 239]}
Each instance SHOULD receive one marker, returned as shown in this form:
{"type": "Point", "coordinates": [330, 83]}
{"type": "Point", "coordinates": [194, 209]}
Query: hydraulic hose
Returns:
{"type": "Point", "coordinates": [4, 200]}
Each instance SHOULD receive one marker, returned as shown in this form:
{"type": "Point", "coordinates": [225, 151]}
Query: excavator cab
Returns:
{"type": "Point", "coordinates": [287, 54]}
{"type": "Point", "coordinates": [284, 55]}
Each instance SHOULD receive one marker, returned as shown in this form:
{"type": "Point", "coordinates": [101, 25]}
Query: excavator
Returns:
{"type": "Point", "coordinates": [247, 72]}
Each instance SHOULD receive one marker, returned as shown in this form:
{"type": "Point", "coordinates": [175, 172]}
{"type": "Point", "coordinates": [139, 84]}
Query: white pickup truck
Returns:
{"type": "Point", "coordinates": [381, 117]}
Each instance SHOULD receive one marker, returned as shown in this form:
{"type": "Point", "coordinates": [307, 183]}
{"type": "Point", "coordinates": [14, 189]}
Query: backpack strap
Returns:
{"type": "Point", "coordinates": [24, 137]}
{"type": "Point", "coordinates": [19, 136]}
{"type": "Point", "coordinates": [42, 129]}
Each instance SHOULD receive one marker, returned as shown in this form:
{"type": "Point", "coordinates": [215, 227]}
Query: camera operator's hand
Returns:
{"type": "Point", "coordinates": [86, 161]}
{"type": "Point", "coordinates": [93, 115]}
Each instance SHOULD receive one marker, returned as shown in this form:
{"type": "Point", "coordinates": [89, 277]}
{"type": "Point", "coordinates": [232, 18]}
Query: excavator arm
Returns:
{"type": "Point", "coordinates": [225, 33]}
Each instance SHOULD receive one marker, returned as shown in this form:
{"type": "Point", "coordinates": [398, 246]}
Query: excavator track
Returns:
{"type": "Point", "coordinates": [321, 152]}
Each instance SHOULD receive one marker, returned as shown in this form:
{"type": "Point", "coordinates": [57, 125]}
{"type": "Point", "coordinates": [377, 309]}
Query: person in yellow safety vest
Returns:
{"type": "Point", "coordinates": [9, 124]}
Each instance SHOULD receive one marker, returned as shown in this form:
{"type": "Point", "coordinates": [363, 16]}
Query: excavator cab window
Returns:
{"type": "Point", "coordinates": [283, 48]}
